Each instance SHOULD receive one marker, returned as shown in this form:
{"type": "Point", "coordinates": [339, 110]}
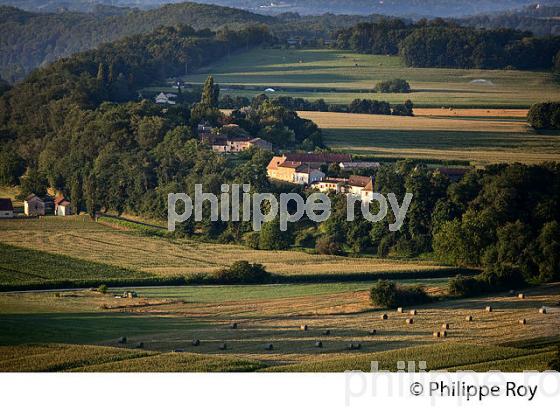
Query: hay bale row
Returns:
{"type": "Point", "coordinates": [443, 333]}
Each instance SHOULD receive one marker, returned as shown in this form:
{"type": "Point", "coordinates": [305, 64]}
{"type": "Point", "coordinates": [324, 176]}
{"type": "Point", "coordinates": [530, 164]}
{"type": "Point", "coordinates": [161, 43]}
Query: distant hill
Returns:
{"type": "Point", "coordinates": [429, 8]}
{"type": "Point", "coordinates": [538, 19]}
{"type": "Point", "coordinates": [28, 40]}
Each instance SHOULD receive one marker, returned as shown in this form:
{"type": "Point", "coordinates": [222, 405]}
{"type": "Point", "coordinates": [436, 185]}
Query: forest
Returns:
{"type": "Point", "coordinates": [438, 43]}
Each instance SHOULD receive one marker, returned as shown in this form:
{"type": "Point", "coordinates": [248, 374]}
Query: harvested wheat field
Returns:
{"type": "Point", "coordinates": [164, 325]}
{"type": "Point", "coordinates": [81, 239]}
{"type": "Point", "coordinates": [474, 138]}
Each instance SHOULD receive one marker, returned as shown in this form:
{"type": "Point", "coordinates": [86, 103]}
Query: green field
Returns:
{"type": "Point", "coordinates": [339, 77]}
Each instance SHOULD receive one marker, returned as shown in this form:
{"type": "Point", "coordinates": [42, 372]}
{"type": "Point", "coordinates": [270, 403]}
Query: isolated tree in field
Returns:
{"type": "Point", "coordinates": [210, 93]}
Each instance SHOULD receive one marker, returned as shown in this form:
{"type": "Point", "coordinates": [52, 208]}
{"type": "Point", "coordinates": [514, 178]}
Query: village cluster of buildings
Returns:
{"type": "Point", "coordinates": [35, 205]}
{"type": "Point", "coordinates": [230, 139]}
{"type": "Point", "coordinates": [305, 169]}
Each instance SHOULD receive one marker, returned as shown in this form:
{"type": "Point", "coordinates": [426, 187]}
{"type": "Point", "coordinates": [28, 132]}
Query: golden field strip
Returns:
{"type": "Point", "coordinates": [163, 325]}
{"type": "Point", "coordinates": [80, 238]}
{"type": "Point", "coordinates": [467, 135]}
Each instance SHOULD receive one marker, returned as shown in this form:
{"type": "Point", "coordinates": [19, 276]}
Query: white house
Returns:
{"type": "Point", "coordinates": [305, 175]}
{"type": "Point", "coordinates": [62, 207]}
{"type": "Point", "coordinates": [6, 208]}
{"type": "Point", "coordinates": [163, 98]}
{"type": "Point", "coordinates": [330, 185]}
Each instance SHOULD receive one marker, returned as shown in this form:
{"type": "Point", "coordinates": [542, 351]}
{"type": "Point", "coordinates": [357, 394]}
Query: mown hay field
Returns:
{"type": "Point", "coordinates": [339, 77]}
{"type": "Point", "coordinates": [83, 240]}
{"type": "Point", "coordinates": [482, 140]}
{"type": "Point", "coordinates": [164, 325]}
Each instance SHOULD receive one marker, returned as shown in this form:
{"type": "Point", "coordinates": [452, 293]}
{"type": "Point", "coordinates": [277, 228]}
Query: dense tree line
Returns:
{"type": "Point", "coordinates": [545, 116]}
{"type": "Point", "coordinates": [29, 40]}
{"type": "Point", "coordinates": [445, 44]}
{"type": "Point", "coordinates": [38, 106]}
{"type": "Point", "coordinates": [357, 106]}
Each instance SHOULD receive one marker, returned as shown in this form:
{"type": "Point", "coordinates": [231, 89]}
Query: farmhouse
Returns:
{"type": "Point", "coordinates": [62, 207]}
{"type": "Point", "coordinates": [163, 98]}
{"type": "Point", "coordinates": [38, 206]}
{"type": "Point", "coordinates": [336, 185]}
{"type": "Point", "coordinates": [6, 208]}
{"type": "Point", "coordinates": [293, 171]}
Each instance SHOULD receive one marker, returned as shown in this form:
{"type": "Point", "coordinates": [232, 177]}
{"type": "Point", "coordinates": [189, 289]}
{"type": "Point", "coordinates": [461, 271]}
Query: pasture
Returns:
{"type": "Point", "coordinates": [339, 77]}
{"type": "Point", "coordinates": [465, 135]}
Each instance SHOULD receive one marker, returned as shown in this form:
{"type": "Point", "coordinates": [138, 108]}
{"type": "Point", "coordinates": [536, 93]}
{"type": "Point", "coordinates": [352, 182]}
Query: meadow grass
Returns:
{"type": "Point", "coordinates": [339, 77]}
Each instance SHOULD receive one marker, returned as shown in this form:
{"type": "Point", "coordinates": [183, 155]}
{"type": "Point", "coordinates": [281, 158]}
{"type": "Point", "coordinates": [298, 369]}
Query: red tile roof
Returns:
{"type": "Point", "coordinates": [356, 180]}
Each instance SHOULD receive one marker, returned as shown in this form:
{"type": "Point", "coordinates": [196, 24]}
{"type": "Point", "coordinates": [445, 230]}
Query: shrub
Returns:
{"type": "Point", "coordinates": [543, 116]}
{"type": "Point", "coordinates": [390, 295]}
{"type": "Point", "coordinates": [102, 289]}
{"type": "Point", "coordinates": [396, 85]}
{"type": "Point", "coordinates": [467, 286]}
{"type": "Point", "coordinates": [326, 245]}
{"type": "Point", "coordinates": [251, 239]}
{"type": "Point", "coordinates": [242, 272]}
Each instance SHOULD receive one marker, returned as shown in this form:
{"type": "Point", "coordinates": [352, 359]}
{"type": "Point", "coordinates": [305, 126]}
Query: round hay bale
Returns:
{"type": "Point", "coordinates": [413, 312]}
{"type": "Point", "coordinates": [268, 346]}
{"type": "Point", "coordinates": [410, 321]}
{"type": "Point", "coordinates": [399, 310]}
{"type": "Point", "coordinates": [435, 334]}
{"type": "Point", "coordinates": [354, 346]}
{"type": "Point", "coordinates": [522, 321]}
{"type": "Point", "coordinates": [318, 344]}
{"type": "Point", "coordinates": [542, 310]}
{"type": "Point", "coordinates": [445, 326]}
{"type": "Point", "coordinates": [488, 308]}
{"type": "Point", "coordinates": [384, 316]}
{"type": "Point", "coordinates": [122, 340]}
{"type": "Point", "coordinates": [521, 296]}
{"type": "Point", "coordinates": [372, 332]}
{"type": "Point", "coordinates": [443, 334]}
{"type": "Point", "coordinates": [233, 326]}
{"type": "Point", "coordinates": [469, 318]}
{"type": "Point", "coordinates": [140, 345]}
{"type": "Point", "coordinates": [223, 346]}
{"type": "Point", "coordinates": [326, 332]}
{"type": "Point", "coordinates": [196, 342]}
{"type": "Point", "coordinates": [303, 327]}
